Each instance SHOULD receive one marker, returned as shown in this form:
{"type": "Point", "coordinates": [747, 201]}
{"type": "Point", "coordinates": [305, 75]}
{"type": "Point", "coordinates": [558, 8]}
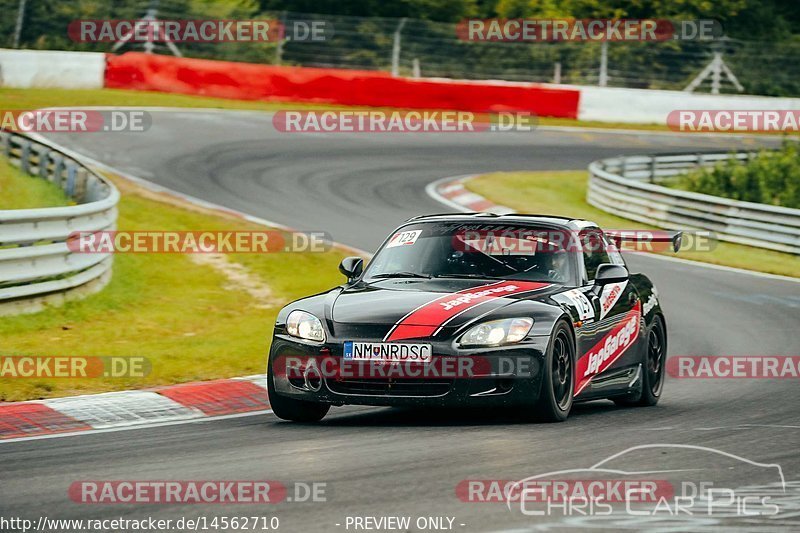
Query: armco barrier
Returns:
{"type": "Point", "coordinates": [36, 265]}
{"type": "Point", "coordinates": [627, 186]}
{"type": "Point", "coordinates": [245, 81]}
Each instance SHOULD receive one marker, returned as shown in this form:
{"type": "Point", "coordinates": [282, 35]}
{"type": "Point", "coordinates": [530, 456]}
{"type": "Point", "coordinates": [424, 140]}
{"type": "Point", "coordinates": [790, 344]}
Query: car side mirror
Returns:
{"type": "Point", "coordinates": [351, 267]}
{"type": "Point", "coordinates": [610, 273]}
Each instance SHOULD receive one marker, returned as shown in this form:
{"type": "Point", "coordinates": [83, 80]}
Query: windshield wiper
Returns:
{"type": "Point", "coordinates": [467, 276]}
{"type": "Point", "coordinates": [401, 275]}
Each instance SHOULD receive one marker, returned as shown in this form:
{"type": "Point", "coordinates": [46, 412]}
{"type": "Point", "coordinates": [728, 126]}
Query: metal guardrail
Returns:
{"type": "Point", "coordinates": [628, 187]}
{"type": "Point", "coordinates": [35, 261]}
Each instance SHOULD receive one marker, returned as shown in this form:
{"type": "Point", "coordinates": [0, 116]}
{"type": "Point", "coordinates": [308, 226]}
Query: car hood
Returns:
{"type": "Point", "coordinates": [418, 308]}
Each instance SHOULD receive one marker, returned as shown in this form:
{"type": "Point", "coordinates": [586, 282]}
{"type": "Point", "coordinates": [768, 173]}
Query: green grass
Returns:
{"type": "Point", "coordinates": [21, 191]}
{"type": "Point", "coordinates": [184, 317]}
{"type": "Point", "coordinates": [38, 98]}
{"type": "Point", "coordinates": [564, 193]}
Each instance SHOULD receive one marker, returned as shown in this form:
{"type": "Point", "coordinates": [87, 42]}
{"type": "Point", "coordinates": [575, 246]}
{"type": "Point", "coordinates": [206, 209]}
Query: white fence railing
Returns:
{"type": "Point", "coordinates": [628, 187]}
{"type": "Point", "coordinates": [35, 260]}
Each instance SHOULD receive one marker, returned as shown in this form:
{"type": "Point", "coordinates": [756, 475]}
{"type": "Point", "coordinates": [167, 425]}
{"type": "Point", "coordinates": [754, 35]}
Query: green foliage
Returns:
{"type": "Point", "coordinates": [19, 190]}
{"type": "Point", "coordinates": [439, 10]}
{"type": "Point", "coordinates": [772, 177]}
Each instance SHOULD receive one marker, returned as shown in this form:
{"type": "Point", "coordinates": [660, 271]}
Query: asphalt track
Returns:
{"type": "Point", "coordinates": [379, 462]}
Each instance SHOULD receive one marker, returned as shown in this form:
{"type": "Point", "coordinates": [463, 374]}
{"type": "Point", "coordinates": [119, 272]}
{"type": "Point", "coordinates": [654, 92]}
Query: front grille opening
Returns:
{"type": "Point", "coordinates": [385, 387]}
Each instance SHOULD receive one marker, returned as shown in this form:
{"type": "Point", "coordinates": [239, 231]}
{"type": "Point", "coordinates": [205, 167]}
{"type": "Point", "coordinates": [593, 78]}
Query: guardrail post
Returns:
{"type": "Point", "coordinates": [58, 168]}
{"type": "Point", "coordinates": [653, 166]}
{"type": "Point", "coordinates": [25, 154]}
{"type": "Point", "coordinates": [6, 139]}
{"type": "Point", "coordinates": [44, 158]}
{"type": "Point", "coordinates": [623, 166]}
{"type": "Point", "coordinates": [71, 171]}
{"type": "Point", "coordinates": [80, 185]}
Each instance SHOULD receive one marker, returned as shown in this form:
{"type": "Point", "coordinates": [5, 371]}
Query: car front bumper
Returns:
{"type": "Point", "coordinates": [502, 376]}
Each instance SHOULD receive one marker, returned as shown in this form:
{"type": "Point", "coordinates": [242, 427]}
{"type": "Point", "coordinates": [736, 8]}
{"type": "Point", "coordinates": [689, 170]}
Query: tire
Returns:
{"type": "Point", "coordinates": [558, 377]}
{"type": "Point", "coordinates": [652, 367]}
{"type": "Point", "coordinates": [287, 408]}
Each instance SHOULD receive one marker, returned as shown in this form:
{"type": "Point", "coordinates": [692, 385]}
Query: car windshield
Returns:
{"type": "Point", "coordinates": [481, 251]}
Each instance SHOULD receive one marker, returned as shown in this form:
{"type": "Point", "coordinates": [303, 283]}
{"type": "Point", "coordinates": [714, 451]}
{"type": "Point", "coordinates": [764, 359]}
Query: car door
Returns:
{"type": "Point", "coordinates": [609, 344]}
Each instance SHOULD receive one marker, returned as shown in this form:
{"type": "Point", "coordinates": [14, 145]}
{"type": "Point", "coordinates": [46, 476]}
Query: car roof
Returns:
{"type": "Point", "coordinates": [520, 218]}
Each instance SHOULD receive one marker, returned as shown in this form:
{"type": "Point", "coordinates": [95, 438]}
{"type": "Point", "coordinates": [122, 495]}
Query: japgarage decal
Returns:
{"type": "Point", "coordinates": [609, 349]}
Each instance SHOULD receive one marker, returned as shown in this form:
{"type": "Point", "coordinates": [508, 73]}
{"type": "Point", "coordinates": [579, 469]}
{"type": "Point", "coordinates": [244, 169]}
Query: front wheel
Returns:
{"type": "Point", "coordinates": [290, 409]}
{"type": "Point", "coordinates": [558, 377]}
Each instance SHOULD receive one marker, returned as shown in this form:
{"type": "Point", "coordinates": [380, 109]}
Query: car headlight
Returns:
{"type": "Point", "coordinates": [305, 326]}
{"type": "Point", "coordinates": [496, 332]}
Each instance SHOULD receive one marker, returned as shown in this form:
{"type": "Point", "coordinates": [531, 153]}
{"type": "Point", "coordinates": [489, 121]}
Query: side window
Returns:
{"type": "Point", "coordinates": [594, 250]}
{"type": "Point", "coordinates": [613, 252]}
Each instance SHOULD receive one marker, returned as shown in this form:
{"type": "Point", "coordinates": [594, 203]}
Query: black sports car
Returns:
{"type": "Point", "coordinates": [521, 311]}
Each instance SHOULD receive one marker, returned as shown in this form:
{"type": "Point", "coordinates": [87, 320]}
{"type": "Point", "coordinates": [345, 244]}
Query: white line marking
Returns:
{"type": "Point", "coordinates": [142, 426]}
{"type": "Point", "coordinates": [723, 268]}
{"type": "Point", "coordinates": [769, 426]}
{"type": "Point", "coordinates": [668, 133]}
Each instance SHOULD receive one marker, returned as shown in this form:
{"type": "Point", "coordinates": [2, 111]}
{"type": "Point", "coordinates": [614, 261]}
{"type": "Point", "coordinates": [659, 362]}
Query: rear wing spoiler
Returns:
{"type": "Point", "coordinates": [646, 240]}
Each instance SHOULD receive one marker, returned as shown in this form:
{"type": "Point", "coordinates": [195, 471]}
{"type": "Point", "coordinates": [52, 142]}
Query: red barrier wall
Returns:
{"type": "Point", "coordinates": [244, 81]}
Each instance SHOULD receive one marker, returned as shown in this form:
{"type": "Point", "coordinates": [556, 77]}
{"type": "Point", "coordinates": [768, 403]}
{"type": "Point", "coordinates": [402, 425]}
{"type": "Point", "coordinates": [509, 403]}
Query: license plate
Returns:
{"type": "Point", "coordinates": [389, 352]}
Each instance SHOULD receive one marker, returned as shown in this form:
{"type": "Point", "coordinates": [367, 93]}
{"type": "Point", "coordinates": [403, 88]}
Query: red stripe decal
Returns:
{"type": "Point", "coordinates": [609, 348]}
{"type": "Point", "coordinates": [427, 319]}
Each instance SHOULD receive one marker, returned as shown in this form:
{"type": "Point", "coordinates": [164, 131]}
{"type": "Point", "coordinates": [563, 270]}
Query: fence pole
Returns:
{"type": "Point", "coordinates": [396, 48]}
{"type": "Point", "coordinates": [716, 73]}
{"type": "Point", "coordinates": [279, 48]}
{"type": "Point", "coordinates": [18, 25]}
{"type": "Point", "coordinates": [603, 80]}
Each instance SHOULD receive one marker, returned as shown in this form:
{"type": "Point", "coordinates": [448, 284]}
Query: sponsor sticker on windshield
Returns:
{"type": "Point", "coordinates": [404, 238]}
